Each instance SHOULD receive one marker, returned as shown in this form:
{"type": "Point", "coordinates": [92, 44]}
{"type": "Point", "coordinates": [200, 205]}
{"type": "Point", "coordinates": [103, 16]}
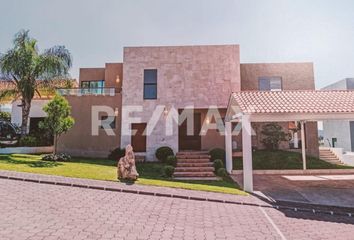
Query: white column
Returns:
{"type": "Point", "coordinates": [228, 146]}
{"type": "Point", "coordinates": [303, 147]}
{"type": "Point", "coordinates": [247, 155]}
{"type": "Point", "coordinates": [296, 138]}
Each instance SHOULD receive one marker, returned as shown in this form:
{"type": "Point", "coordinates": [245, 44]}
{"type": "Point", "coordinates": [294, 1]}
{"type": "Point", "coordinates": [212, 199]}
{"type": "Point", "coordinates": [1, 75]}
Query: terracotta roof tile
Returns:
{"type": "Point", "coordinates": [341, 101]}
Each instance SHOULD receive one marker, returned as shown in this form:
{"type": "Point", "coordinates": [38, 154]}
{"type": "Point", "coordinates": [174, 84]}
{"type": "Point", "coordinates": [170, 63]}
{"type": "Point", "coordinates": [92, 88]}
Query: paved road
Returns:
{"type": "Point", "coordinates": [41, 211]}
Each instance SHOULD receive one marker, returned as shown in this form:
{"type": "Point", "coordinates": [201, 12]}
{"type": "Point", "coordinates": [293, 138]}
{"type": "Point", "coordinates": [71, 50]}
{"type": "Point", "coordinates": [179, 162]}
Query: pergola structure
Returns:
{"type": "Point", "coordinates": [281, 106]}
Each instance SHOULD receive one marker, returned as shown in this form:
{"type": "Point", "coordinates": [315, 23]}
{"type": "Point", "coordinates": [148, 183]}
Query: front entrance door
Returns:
{"type": "Point", "coordinates": [139, 139]}
{"type": "Point", "coordinates": [191, 142]}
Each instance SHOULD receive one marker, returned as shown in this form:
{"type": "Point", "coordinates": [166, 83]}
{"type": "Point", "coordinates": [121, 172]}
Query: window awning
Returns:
{"type": "Point", "coordinates": [262, 106]}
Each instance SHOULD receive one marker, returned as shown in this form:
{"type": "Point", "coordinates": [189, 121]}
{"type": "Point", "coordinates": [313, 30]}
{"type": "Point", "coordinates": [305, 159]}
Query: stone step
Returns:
{"type": "Point", "coordinates": [192, 156]}
{"type": "Point", "coordinates": [195, 164]}
{"type": "Point", "coordinates": [193, 174]}
{"type": "Point", "coordinates": [195, 160]}
{"type": "Point", "coordinates": [194, 169]}
{"type": "Point", "coordinates": [330, 158]}
{"type": "Point", "coordinates": [197, 178]}
{"type": "Point", "coordinates": [192, 153]}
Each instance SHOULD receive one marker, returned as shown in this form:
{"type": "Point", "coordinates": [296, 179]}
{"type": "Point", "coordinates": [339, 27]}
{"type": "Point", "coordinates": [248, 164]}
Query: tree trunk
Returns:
{"type": "Point", "coordinates": [26, 107]}
{"type": "Point", "coordinates": [55, 144]}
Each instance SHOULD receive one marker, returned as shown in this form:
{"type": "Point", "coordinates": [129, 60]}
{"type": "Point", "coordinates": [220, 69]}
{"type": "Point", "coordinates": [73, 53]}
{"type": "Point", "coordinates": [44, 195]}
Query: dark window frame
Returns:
{"type": "Point", "coordinates": [269, 79]}
{"type": "Point", "coordinates": [114, 123]}
{"type": "Point", "coordinates": [149, 84]}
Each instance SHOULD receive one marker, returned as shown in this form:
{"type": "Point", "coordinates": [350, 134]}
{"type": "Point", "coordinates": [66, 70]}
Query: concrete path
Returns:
{"type": "Point", "coordinates": [36, 211]}
{"type": "Point", "coordinates": [330, 190]}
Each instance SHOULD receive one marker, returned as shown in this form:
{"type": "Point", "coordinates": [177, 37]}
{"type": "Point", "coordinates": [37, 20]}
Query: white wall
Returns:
{"type": "Point", "coordinates": [36, 111]}
{"type": "Point", "coordinates": [339, 129]}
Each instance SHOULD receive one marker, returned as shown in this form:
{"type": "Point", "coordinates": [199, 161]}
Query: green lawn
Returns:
{"type": "Point", "coordinates": [103, 169]}
{"type": "Point", "coordinates": [270, 160]}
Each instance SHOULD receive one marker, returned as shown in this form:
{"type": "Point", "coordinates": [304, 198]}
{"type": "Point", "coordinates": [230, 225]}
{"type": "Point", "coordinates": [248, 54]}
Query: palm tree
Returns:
{"type": "Point", "coordinates": [29, 70]}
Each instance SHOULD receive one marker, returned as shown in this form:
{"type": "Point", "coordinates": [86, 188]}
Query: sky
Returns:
{"type": "Point", "coordinates": [95, 31]}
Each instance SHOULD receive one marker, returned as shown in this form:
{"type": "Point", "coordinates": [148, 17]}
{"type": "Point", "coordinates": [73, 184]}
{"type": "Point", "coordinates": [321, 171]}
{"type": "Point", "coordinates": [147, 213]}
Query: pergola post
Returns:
{"type": "Point", "coordinates": [247, 154]}
{"type": "Point", "coordinates": [228, 146]}
{"type": "Point", "coordinates": [303, 147]}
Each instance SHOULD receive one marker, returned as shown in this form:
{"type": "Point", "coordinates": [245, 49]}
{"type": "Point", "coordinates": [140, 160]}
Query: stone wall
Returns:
{"type": "Point", "coordinates": [197, 76]}
{"type": "Point", "coordinates": [79, 140]}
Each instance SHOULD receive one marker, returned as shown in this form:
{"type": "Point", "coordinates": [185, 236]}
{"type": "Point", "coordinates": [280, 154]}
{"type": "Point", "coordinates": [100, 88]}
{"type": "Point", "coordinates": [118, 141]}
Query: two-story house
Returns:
{"type": "Point", "coordinates": [156, 90]}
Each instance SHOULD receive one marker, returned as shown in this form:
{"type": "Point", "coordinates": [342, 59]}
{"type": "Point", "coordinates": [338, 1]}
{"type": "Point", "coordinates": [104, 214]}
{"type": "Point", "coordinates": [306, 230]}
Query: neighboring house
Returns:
{"type": "Point", "coordinates": [339, 133]}
{"type": "Point", "coordinates": [13, 106]}
{"type": "Point", "coordinates": [175, 78]}
{"type": "Point", "coordinates": [36, 113]}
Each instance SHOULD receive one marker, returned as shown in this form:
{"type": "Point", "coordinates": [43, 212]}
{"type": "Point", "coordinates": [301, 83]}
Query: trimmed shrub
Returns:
{"type": "Point", "coordinates": [171, 160]}
{"type": "Point", "coordinates": [61, 157]}
{"type": "Point", "coordinates": [163, 152]}
{"type": "Point", "coordinates": [5, 116]}
{"type": "Point", "coordinates": [168, 171]}
{"type": "Point", "coordinates": [222, 173]}
{"type": "Point", "coordinates": [116, 154]}
{"type": "Point", "coordinates": [217, 153]}
{"type": "Point", "coordinates": [218, 163]}
{"type": "Point", "coordinates": [29, 141]}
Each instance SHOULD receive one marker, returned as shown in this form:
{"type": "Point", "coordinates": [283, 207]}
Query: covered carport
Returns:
{"type": "Point", "coordinates": [280, 106]}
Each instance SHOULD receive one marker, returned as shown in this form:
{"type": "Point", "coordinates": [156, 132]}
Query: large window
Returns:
{"type": "Point", "coordinates": [270, 84]}
{"type": "Point", "coordinates": [150, 84]}
{"type": "Point", "coordinates": [108, 122]}
{"type": "Point", "coordinates": [94, 87]}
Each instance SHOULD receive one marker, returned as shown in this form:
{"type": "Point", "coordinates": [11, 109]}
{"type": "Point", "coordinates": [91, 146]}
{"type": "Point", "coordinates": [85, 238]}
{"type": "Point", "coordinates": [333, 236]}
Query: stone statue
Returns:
{"type": "Point", "coordinates": [126, 165]}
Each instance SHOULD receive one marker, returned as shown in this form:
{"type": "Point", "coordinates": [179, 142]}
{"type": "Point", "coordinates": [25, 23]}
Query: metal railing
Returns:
{"type": "Point", "coordinates": [87, 91]}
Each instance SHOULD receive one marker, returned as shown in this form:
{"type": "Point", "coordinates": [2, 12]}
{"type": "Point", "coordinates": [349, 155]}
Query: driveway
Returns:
{"type": "Point", "coordinates": [331, 190]}
{"type": "Point", "coordinates": [36, 211]}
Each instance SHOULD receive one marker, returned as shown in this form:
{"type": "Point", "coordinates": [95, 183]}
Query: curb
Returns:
{"type": "Point", "coordinates": [111, 189]}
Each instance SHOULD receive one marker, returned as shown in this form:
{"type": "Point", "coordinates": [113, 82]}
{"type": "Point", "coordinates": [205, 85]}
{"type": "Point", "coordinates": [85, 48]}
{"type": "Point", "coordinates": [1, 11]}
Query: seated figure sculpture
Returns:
{"type": "Point", "coordinates": [126, 166]}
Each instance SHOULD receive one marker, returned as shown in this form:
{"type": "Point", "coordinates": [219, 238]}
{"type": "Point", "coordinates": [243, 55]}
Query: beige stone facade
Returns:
{"type": "Point", "coordinates": [198, 76]}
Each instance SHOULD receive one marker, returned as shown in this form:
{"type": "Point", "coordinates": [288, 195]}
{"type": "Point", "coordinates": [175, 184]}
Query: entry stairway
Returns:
{"type": "Point", "coordinates": [327, 155]}
{"type": "Point", "coordinates": [193, 165]}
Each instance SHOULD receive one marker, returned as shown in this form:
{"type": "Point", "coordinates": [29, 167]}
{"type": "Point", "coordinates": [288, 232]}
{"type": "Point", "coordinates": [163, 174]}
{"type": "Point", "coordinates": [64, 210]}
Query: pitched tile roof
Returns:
{"type": "Point", "coordinates": [312, 101]}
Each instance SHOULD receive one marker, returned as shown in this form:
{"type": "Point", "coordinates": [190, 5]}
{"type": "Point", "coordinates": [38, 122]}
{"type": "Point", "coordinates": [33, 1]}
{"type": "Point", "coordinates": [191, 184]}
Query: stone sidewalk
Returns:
{"type": "Point", "coordinates": [33, 211]}
{"type": "Point", "coordinates": [134, 188]}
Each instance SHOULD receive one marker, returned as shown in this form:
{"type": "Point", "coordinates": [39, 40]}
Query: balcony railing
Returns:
{"type": "Point", "coordinates": [88, 91]}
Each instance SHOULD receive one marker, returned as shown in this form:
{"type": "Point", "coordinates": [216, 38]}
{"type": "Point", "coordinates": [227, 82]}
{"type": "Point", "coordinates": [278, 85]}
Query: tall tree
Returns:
{"type": "Point", "coordinates": [29, 69]}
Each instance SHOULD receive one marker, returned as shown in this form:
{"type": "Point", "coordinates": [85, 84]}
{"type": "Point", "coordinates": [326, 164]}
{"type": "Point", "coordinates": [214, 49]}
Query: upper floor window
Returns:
{"type": "Point", "coordinates": [96, 87]}
{"type": "Point", "coordinates": [108, 122]}
{"type": "Point", "coordinates": [270, 84]}
{"type": "Point", "coordinates": [150, 84]}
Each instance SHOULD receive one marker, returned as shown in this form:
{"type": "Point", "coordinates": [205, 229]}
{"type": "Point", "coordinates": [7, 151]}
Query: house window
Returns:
{"type": "Point", "coordinates": [270, 84]}
{"type": "Point", "coordinates": [150, 84]}
{"type": "Point", "coordinates": [93, 87]}
{"type": "Point", "coordinates": [108, 122]}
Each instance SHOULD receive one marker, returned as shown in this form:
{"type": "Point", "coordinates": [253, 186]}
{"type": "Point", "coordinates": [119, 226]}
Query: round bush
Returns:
{"type": "Point", "coordinates": [163, 152]}
{"type": "Point", "coordinates": [168, 171]}
{"type": "Point", "coordinates": [171, 160]}
{"type": "Point", "coordinates": [218, 163]}
{"type": "Point", "coordinates": [222, 172]}
{"type": "Point", "coordinates": [217, 153]}
{"type": "Point", "coordinates": [29, 141]}
{"type": "Point", "coordinates": [116, 154]}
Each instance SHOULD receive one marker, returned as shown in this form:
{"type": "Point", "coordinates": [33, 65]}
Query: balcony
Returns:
{"type": "Point", "coordinates": [88, 91]}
